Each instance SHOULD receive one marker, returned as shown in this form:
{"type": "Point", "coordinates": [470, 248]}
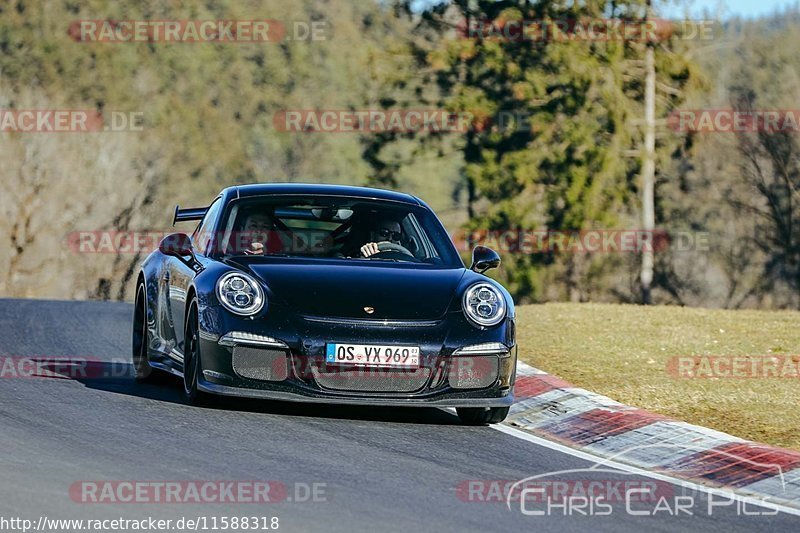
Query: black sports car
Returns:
{"type": "Point", "coordinates": [322, 293]}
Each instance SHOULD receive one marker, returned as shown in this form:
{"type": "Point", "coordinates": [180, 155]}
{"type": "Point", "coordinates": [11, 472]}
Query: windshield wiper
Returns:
{"type": "Point", "coordinates": [259, 255]}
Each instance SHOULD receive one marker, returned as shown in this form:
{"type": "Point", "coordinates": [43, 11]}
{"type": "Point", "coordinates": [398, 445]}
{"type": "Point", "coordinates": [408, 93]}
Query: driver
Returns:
{"type": "Point", "coordinates": [385, 231]}
{"type": "Point", "coordinates": [256, 233]}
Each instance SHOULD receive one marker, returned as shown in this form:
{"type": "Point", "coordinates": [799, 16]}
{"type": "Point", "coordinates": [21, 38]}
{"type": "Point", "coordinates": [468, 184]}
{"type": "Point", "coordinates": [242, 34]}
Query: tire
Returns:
{"type": "Point", "coordinates": [143, 372]}
{"type": "Point", "coordinates": [480, 416]}
{"type": "Point", "coordinates": [192, 360]}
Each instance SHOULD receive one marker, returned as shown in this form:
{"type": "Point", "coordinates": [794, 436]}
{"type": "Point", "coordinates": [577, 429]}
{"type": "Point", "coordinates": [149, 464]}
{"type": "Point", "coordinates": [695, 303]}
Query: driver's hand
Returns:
{"type": "Point", "coordinates": [256, 248]}
{"type": "Point", "coordinates": [371, 248]}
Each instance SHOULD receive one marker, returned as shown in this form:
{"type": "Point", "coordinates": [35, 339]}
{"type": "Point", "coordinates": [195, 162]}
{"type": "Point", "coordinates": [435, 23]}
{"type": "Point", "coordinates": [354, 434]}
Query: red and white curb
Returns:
{"type": "Point", "coordinates": [550, 407]}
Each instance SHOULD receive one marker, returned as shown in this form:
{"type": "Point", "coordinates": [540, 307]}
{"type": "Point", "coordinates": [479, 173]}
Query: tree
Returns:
{"type": "Point", "coordinates": [563, 164]}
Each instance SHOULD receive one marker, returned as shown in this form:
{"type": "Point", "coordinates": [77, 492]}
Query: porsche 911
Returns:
{"type": "Point", "coordinates": [323, 293]}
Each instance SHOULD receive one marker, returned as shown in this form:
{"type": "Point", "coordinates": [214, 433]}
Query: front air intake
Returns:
{"type": "Point", "coordinates": [259, 363]}
{"type": "Point", "coordinates": [473, 372]}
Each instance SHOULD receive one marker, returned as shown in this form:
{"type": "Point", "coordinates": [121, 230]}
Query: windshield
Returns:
{"type": "Point", "coordinates": [335, 228]}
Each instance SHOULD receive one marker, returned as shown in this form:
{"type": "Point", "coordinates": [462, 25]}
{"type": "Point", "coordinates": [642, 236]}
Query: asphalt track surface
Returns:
{"type": "Point", "coordinates": [381, 469]}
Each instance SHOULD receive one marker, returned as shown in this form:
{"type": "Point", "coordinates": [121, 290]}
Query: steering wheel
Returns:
{"type": "Point", "coordinates": [390, 250]}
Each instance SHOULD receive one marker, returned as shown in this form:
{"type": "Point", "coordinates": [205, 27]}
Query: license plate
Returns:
{"type": "Point", "coordinates": [372, 355]}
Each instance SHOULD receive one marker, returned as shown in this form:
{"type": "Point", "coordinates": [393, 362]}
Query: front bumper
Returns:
{"type": "Point", "coordinates": [306, 377]}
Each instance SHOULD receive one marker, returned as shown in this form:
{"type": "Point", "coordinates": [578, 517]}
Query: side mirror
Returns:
{"type": "Point", "coordinates": [483, 259]}
{"type": "Point", "coordinates": [180, 245]}
{"type": "Point", "coordinates": [177, 245]}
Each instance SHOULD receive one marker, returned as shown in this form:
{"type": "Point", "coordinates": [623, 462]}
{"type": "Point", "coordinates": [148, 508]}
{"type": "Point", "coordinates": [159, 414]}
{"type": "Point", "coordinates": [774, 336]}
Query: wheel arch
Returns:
{"type": "Point", "coordinates": [190, 295]}
{"type": "Point", "coordinates": [141, 280]}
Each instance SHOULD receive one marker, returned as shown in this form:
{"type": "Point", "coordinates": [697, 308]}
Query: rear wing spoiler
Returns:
{"type": "Point", "coordinates": [190, 213]}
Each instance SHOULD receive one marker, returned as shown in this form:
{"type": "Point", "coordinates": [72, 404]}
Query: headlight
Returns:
{"type": "Point", "coordinates": [484, 304]}
{"type": "Point", "coordinates": [240, 294]}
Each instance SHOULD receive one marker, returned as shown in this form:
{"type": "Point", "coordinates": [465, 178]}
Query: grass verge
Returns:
{"type": "Point", "coordinates": [623, 352]}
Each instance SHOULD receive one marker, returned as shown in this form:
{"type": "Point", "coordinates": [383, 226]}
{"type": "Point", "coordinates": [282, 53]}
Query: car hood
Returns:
{"type": "Point", "coordinates": [394, 291]}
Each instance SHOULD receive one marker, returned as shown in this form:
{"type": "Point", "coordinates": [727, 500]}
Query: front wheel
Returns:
{"type": "Point", "coordinates": [191, 359]}
{"type": "Point", "coordinates": [479, 416]}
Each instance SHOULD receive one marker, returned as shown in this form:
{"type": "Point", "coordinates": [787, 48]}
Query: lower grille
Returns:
{"type": "Point", "coordinates": [476, 372]}
{"type": "Point", "coordinates": [372, 379]}
{"type": "Point", "coordinates": [259, 363]}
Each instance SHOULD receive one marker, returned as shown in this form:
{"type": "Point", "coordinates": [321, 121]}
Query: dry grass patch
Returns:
{"type": "Point", "coordinates": [622, 351]}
